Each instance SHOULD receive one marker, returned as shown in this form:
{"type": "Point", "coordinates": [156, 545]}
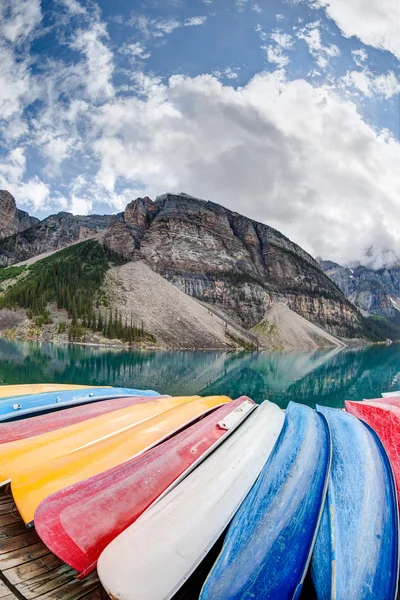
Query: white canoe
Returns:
{"type": "Point", "coordinates": [153, 557]}
{"type": "Point", "coordinates": [390, 394]}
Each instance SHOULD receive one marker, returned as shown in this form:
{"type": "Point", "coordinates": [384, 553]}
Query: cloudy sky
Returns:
{"type": "Point", "coordinates": [286, 111]}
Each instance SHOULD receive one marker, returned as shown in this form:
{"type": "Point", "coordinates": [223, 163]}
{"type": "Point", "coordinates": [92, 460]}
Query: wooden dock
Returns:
{"type": "Point", "coordinates": [29, 571]}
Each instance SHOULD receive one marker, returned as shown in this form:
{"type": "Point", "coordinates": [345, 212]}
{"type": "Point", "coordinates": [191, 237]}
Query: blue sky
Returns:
{"type": "Point", "coordinates": [284, 110]}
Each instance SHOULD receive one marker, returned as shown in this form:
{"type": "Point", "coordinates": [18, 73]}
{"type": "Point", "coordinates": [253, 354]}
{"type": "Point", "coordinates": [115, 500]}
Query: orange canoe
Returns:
{"type": "Point", "coordinates": [32, 485]}
{"type": "Point", "coordinates": [15, 456]}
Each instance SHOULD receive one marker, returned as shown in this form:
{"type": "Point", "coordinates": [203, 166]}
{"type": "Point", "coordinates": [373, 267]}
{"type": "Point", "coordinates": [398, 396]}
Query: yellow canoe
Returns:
{"type": "Point", "coordinates": [15, 456]}
{"type": "Point", "coordinates": [32, 485]}
{"type": "Point", "coordinates": [7, 391]}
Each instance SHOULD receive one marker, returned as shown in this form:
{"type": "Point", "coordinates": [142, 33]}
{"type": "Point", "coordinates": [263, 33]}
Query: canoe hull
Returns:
{"type": "Point", "coordinates": [32, 485]}
{"type": "Point", "coordinates": [7, 391]}
{"type": "Point", "coordinates": [268, 545]}
{"type": "Point", "coordinates": [21, 454]}
{"type": "Point", "coordinates": [356, 551]}
{"type": "Point", "coordinates": [172, 537]}
{"type": "Point", "coordinates": [384, 419]}
{"type": "Point", "coordinates": [24, 428]}
{"type": "Point", "coordinates": [78, 522]}
{"type": "Point", "coordinates": [22, 406]}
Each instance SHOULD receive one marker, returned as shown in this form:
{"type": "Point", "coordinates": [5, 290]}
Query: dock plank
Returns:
{"type": "Point", "coordinates": [29, 571]}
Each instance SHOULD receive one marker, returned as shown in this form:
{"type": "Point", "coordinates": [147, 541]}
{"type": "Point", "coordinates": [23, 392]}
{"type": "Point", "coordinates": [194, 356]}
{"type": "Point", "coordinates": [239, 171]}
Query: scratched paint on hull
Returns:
{"type": "Point", "coordinates": [356, 551]}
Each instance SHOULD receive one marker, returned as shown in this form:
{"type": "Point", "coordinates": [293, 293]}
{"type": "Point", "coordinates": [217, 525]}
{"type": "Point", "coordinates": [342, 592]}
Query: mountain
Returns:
{"type": "Point", "coordinates": [23, 237]}
{"type": "Point", "coordinates": [230, 262]}
{"type": "Point", "coordinates": [13, 220]}
{"type": "Point", "coordinates": [240, 272]}
{"type": "Point", "coordinates": [375, 292]}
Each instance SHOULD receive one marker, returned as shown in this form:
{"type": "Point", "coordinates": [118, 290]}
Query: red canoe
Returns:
{"type": "Point", "coordinates": [78, 522]}
{"type": "Point", "coordinates": [384, 419]}
{"type": "Point", "coordinates": [18, 430]}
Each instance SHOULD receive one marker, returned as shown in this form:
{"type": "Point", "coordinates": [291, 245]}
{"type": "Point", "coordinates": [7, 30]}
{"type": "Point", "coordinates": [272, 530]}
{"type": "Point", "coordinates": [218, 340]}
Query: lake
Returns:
{"type": "Point", "coordinates": [326, 377]}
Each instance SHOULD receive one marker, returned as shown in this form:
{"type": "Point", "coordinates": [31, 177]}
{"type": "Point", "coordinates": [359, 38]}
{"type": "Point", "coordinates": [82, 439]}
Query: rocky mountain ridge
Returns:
{"type": "Point", "coordinates": [23, 237]}
{"type": "Point", "coordinates": [225, 260]}
{"type": "Point", "coordinates": [230, 261]}
{"type": "Point", "coordinates": [13, 220]}
{"type": "Point", "coordinates": [375, 292]}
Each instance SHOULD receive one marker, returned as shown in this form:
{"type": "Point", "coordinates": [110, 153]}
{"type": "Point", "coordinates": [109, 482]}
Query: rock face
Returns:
{"type": "Point", "coordinates": [13, 220]}
{"type": "Point", "coordinates": [25, 236]}
{"type": "Point", "coordinates": [231, 262]}
{"type": "Point", "coordinates": [376, 292]}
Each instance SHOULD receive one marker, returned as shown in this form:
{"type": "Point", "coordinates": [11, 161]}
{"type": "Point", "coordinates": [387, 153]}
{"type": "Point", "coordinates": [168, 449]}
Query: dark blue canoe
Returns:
{"type": "Point", "coordinates": [269, 543]}
{"type": "Point", "coordinates": [356, 551]}
{"type": "Point", "coordinates": [25, 406]}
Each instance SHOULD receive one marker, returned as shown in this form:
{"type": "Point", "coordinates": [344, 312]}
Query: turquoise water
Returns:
{"type": "Point", "coordinates": [326, 377]}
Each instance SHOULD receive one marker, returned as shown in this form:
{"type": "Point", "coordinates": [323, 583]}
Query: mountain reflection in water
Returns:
{"type": "Point", "coordinates": [325, 376]}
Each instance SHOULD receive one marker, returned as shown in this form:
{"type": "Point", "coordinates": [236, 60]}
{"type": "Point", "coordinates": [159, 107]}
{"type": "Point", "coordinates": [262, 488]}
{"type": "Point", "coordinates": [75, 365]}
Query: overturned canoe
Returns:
{"type": "Point", "coordinates": [356, 551]}
{"type": "Point", "coordinates": [7, 391]}
{"type": "Point", "coordinates": [384, 419]}
{"type": "Point", "coordinates": [78, 522]}
{"type": "Point", "coordinates": [21, 406]}
{"type": "Point", "coordinates": [20, 454]}
{"type": "Point", "coordinates": [24, 428]}
{"type": "Point", "coordinates": [268, 545]}
{"type": "Point", "coordinates": [32, 485]}
{"type": "Point", "coordinates": [154, 556]}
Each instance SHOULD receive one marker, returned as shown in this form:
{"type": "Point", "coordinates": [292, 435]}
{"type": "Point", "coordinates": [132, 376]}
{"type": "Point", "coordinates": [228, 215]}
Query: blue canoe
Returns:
{"type": "Point", "coordinates": [269, 543]}
{"type": "Point", "coordinates": [26, 406]}
{"type": "Point", "coordinates": [356, 551]}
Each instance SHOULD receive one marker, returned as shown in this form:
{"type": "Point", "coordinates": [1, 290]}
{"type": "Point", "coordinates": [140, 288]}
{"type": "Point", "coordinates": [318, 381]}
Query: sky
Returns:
{"type": "Point", "coordinates": [286, 111]}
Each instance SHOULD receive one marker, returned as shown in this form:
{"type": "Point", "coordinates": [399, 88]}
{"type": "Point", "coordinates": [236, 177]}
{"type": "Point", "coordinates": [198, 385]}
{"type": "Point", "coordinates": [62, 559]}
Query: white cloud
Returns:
{"type": "Point", "coordinates": [195, 21]}
{"type": "Point", "coordinates": [295, 156]}
{"type": "Point", "coordinates": [256, 8]}
{"type": "Point", "coordinates": [386, 85]}
{"type": "Point", "coordinates": [34, 193]}
{"type": "Point", "coordinates": [241, 4]}
{"type": "Point", "coordinates": [74, 7]}
{"type": "Point", "coordinates": [374, 23]}
{"type": "Point", "coordinates": [229, 73]}
{"type": "Point", "coordinates": [154, 27]}
{"type": "Point", "coordinates": [276, 56]}
{"type": "Point", "coordinates": [19, 19]}
{"type": "Point", "coordinates": [136, 50]}
{"type": "Point", "coordinates": [311, 34]}
{"type": "Point", "coordinates": [18, 22]}
{"type": "Point", "coordinates": [80, 206]}
{"type": "Point", "coordinates": [98, 67]}
{"type": "Point", "coordinates": [359, 56]}
{"type": "Point", "coordinates": [284, 40]}
{"type": "Point", "coordinates": [279, 17]}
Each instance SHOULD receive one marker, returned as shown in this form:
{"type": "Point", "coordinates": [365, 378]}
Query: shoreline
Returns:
{"type": "Point", "coordinates": [348, 344]}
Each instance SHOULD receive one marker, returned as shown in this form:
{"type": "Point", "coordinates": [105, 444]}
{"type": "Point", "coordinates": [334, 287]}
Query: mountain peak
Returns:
{"type": "Point", "coordinates": [13, 220]}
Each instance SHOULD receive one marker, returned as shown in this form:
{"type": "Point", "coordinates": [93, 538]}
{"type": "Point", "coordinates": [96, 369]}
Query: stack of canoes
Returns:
{"type": "Point", "coordinates": [142, 486]}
